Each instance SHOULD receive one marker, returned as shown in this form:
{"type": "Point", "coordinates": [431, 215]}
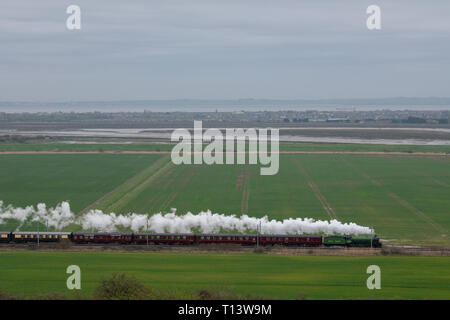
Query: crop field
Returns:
{"type": "Point", "coordinates": [405, 198]}
{"type": "Point", "coordinates": [80, 179]}
{"type": "Point", "coordinates": [265, 276]}
{"type": "Point", "coordinates": [150, 145]}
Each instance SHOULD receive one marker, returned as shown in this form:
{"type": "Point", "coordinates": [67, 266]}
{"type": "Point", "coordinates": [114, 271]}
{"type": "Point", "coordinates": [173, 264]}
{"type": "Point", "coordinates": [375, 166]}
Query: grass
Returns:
{"type": "Point", "coordinates": [284, 146]}
{"type": "Point", "coordinates": [405, 198]}
{"type": "Point", "coordinates": [269, 276]}
{"type": "Point", "coordinates": [81, 179]}
{"type": "Point", "coordinates": [61, 147]}
{"type": "Point", "coordinates": [124, 192]}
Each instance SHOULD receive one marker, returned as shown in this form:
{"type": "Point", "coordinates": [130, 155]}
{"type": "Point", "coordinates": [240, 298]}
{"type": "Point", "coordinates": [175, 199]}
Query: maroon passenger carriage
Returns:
{"type": "Point", "coordinates": [252, 239]}
{"type": "Point", "coordinates": [291, 240]}
{"type": "Point", "coordinates": [101, 237]}
{"type": "Point", "coordinates": [170, 238]}
{"type": "Point", "coordinates": [227, 238]}
{"type": "Point", "coordinates": [163, 238]}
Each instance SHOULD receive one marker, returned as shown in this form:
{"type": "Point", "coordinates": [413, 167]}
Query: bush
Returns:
{"type": "Point", "coordinates": [121, 287]}
{"type": "Point", "coordinates": [205, 295]}
{"type": "Point", "coordinates": [224, 294]}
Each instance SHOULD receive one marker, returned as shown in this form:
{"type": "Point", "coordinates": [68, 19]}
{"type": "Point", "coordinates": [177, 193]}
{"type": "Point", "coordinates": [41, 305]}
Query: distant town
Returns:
{"type": "Point", "coordinates": [307, 118]}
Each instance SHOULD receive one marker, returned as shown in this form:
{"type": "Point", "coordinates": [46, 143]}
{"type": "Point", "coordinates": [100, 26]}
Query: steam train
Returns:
{"type": "Point", "coordinates": [190, 239]}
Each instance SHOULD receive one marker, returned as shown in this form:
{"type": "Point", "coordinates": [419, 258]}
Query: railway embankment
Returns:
{"type": "Point", "coordinates": [236, 249]}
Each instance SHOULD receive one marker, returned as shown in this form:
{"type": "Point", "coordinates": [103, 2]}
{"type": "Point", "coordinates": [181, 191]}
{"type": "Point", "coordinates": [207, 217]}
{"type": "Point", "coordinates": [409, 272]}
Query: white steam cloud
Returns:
{"type": "Point", "coordinates": [60, 217]}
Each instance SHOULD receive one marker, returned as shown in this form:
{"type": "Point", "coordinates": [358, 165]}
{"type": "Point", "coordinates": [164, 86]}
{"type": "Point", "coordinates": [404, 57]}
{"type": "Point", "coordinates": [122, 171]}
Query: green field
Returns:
{"type": "Point", "coordinates": [80, 179]}
{"type": "Point", "coordinates": [265, 276]}
{"type": "Point", "coordinates": [405, 198]}
{"type": "Point", "coordinates": [149, 146]}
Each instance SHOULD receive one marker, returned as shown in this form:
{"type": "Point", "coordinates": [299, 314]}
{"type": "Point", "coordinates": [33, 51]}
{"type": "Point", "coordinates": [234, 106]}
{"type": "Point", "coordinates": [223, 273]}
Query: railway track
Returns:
{"type": "Point", "coordinates": [235, 248]}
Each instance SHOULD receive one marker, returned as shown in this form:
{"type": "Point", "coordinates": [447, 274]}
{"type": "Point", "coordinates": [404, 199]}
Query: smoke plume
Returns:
{"type": "Point", "coordinates": [61, 217]}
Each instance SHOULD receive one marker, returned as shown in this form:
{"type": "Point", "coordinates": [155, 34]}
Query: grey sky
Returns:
{"type": "Point", "coordinates": [223, 49]}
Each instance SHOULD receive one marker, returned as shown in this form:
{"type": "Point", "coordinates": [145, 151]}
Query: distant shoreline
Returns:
{"type": "Point", "coordinates": [224, 105]}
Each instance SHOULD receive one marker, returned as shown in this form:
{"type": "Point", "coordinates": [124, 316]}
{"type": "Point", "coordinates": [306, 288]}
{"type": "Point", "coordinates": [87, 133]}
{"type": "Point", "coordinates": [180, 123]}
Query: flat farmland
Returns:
{"type": "Point", "coordinates": [406, 198]}
{"type": "Point", "coordinates": [263, 276]}
{"type": "Point", "coordinates": [164, 146]}
{"type": "Point", "coordinates": [80, 179]}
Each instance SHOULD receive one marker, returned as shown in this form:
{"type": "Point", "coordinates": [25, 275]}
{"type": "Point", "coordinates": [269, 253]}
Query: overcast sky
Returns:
{"type": "Point", "coordinates": [223, 49]}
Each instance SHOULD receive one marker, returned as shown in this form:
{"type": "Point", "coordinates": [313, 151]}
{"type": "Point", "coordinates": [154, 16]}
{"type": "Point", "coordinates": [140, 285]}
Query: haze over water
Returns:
{"type": "Point", "coordinates": [189, 105]}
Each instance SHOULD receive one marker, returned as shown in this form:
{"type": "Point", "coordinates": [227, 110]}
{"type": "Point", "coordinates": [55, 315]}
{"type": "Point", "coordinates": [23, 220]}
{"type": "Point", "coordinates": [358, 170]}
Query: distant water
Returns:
{"type": "Point", "coordinates": [166, 134]}
{"type": "Point", "coordinates": [227, 105]}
